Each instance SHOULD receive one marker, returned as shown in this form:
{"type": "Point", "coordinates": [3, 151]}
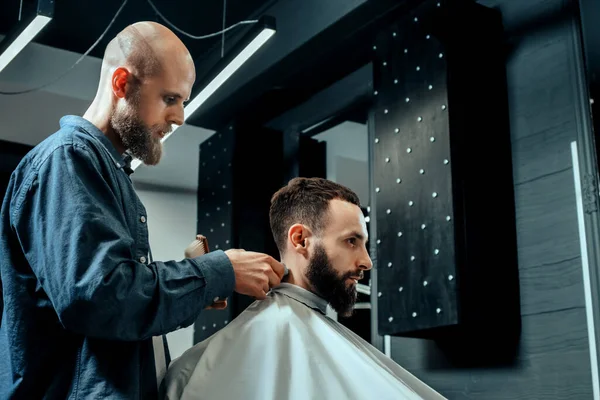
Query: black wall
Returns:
{"type": "Point", "coordinates": [553, 360]}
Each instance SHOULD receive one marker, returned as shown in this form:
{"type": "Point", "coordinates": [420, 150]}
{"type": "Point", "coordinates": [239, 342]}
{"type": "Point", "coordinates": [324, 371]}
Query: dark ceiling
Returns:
{"type": "Point", "coordinates": [77, 24]}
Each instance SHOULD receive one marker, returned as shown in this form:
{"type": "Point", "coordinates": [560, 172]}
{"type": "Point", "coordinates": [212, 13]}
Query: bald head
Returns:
{"type": "Point", "coordinates": [147, 76]}
{"type": "Point", "coordinates": [143, 48]}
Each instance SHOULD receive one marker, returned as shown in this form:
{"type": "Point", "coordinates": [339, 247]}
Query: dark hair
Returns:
{"type": "Point", "coordinates": [305, 201]}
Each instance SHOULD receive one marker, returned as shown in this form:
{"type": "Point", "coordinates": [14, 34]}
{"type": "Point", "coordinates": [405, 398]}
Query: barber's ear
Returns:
{"type": "Point", "coordinates": [119, 82]}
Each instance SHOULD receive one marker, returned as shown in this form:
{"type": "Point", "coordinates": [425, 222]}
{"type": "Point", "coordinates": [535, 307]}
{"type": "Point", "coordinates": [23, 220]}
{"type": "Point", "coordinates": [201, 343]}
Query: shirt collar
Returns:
{"type": "Point", "coordinates": [121, 160]}
{"type": "Point", "coordinates": [303, 296]}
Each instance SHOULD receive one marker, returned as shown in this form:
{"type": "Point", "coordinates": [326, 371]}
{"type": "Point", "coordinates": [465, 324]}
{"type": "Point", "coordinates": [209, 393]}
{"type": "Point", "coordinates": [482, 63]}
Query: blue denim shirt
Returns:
{"type": "Point", "coordinates": [81, 299]}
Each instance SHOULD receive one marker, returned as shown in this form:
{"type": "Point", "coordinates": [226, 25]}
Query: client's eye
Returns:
{"type": "Point", "coordinates": [352, 241]}
{"type": "Point", "coordinates": [170, 100]}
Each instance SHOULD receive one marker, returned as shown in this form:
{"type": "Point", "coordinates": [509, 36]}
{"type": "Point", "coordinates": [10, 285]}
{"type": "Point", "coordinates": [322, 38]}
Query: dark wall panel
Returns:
{"type": "Point", "coordinates": [438, 80]}
{"type": "Point", "coordinates": [553, 361]}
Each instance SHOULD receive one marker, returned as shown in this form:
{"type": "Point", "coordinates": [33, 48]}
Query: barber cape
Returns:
{"type": "Point", "coordinates": [286, 348]}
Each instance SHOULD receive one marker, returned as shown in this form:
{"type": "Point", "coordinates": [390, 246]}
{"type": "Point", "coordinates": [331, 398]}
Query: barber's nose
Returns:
{"type": "Point", "coordinates": [177, 117]}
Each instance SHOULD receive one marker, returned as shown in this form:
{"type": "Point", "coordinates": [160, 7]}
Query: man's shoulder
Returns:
{"type": "Point", "coordinates": [64, 137]}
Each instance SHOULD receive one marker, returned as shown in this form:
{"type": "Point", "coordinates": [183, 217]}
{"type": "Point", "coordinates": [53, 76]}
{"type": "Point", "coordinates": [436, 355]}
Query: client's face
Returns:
{"type": "Point", "coordinates": [339, 259]}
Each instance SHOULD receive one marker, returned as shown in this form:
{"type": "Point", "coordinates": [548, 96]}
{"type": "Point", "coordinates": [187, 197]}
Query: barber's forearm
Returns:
{"type": "Point", "coordinates": [135, 302]}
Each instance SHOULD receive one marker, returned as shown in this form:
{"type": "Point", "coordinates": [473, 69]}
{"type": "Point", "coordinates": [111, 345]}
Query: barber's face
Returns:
{"type": "Point", "coordinates": [150, 109]}
{"type": "Point", "coordinates": [340, 257]}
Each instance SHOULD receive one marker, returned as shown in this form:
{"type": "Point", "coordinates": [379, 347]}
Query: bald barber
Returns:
{"type": "Point", "coordinates": [83, 301]}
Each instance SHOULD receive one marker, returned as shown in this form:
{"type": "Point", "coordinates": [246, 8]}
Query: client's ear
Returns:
{"type": "Point", "coordinates": [298, 235]}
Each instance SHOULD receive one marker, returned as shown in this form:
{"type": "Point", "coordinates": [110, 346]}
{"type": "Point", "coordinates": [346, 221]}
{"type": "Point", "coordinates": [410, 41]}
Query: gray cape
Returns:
{"type": "Point", "coordinates": [286, 347]}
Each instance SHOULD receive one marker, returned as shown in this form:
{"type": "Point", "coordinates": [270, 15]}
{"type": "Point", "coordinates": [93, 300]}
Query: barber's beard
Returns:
{"type": "Point", "coordinates": [141, 141]}
{"type": "Point", "coordinates": [330, 285]}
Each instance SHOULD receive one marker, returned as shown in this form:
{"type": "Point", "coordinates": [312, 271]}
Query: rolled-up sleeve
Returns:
{"type": "Point", "coordinates": [72, 228]}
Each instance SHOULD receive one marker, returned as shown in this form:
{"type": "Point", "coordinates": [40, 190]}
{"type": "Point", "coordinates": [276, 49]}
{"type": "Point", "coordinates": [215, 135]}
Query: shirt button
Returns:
{"type": "Point", "coordinates": [143, 219]}
{"type": "Point", "coordinates": [143, 259]}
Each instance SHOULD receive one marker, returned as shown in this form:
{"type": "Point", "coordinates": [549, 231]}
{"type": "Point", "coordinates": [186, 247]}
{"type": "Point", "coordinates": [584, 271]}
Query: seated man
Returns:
{"type": "Point", "coordinates": [286, 347]}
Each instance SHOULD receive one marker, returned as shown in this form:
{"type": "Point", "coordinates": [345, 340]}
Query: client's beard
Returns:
{"type": "Point", "coordinates": [140, 140]}
{"type": "Point", "coordinates": [331, 286]}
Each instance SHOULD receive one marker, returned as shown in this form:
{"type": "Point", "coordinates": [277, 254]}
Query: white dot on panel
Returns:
{"type": "Point", "coordinates": [436, 251]}
{"type": "Point", "coordinates": [388, 211]}
{"type": "Point", "coordinates": [421, 171]}
{"type": "Point", "coordinates": [376, 93]}
{"type": "Point", "coordinates": [385, 111]}
{"type": "Point", "coordinates": [416, 19]}
{"type": "Point", "coordinates": [427, 37]}
{"type": "Point", "coordinates": [439, 310]}
{"type": "Point", "coordinates": [423, 226]}
{"type": "Point", "coordinates": [441, 55]}
{"type": "Point", "coordinates": [430, 87]}
{"type": "Point", "coordinates": [425, 283]}
{"type": "Point", "coordinates": [379, 294]}
{"type": "Point", "coordinates": [376, 140]}
{"type": "Point", "coordinates": [395, 81]}
{"type": "Point", "coordinates": [399, 234]}
{"type": "Point", "coordinates": [434, 195]}
{"type": "Point", "coordinates": [405, 51]}
{"type": "Point", "coordinates": [208, 214]}
{"type": "Point", "coordinates": [222, 224]}
{"type": "Point", "coordinates": [378, 241]}
{"type": "Point", "coordinates": [390, 319]}
{"type": "Point", "coordinates": [218, 208]}
{"type": "Point", "coordinates": [398, 180]}
{"type": "Point", "coordinates": [443, 107]}
{"type": "Point", "coordinates": [389, 264]}
{"type": "Point", "coordinates": [412, 258]}
{"type": "Point", "coordinates": [450, 277]}
{"type": "Point", "coordinates": [396, 130]}
{"type": "Point", "coordinates": [377, 190]}
{"type": "Point", "coordinates": [374, 47]}
{"type": "Point", "coordinates": [420, 119]}
{"type": "Point", "coordinates": [432, 139]}
{"type": "Point", "coordinates": [227, 241]}
{"type": "Point", "coordinates": [409, 150]}
{"type": "Point", "coordinates": [400, 289]}
{"type": "Point", "coordinates": [407, 99]}
{"type": "Point", "coordinates": [387, 159]}
{"type": "Point", "coordinates": [216, 246]}
{"type": "Point", "coordinates": [384, 63]}
{"type": "Point", "coordinates": [448, 218]}
{"type": "Point", "coordinates": [414, 314]}
{"type": "Point", "coordinates": [410, 203]}
{"type": "Point", "coordinates": [418, 68]}
{"type": "Point", "coordinates": [367, 219]}
{"type": "Point", "coordinates": [229, 202]}
{"type": "Point", "coordinates": [212, 230]}
{"type": "Point", "coordinates": [369, 209]}
{"type": "Point", "coordinates": [394, 34]}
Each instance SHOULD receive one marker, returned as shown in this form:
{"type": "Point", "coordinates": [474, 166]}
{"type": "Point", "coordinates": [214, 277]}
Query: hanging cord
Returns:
{"type": "Point", "coordinates": [108, 28]}
{"type": "Point", "coordinates": [193, 36]}
{"type": "Point", "coordinates": [20, 10]}
{"type": "Point", "coordinates": [223, 28]}
{"type": "Point", "coordinates": [76, 62]}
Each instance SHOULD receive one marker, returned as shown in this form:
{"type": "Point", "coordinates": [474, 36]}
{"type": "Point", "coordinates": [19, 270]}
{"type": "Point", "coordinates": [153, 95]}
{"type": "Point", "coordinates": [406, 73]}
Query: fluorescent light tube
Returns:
{"type": "Point", "coordinates": [17, 45]}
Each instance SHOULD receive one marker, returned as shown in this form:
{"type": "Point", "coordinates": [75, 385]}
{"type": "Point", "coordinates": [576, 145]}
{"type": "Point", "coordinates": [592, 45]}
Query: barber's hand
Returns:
{"type": "Point", "coordinates": [255, 273]}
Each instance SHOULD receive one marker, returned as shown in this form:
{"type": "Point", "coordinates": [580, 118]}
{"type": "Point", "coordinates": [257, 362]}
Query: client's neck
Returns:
{"type": "Point", "coordinates": [295, 275]}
